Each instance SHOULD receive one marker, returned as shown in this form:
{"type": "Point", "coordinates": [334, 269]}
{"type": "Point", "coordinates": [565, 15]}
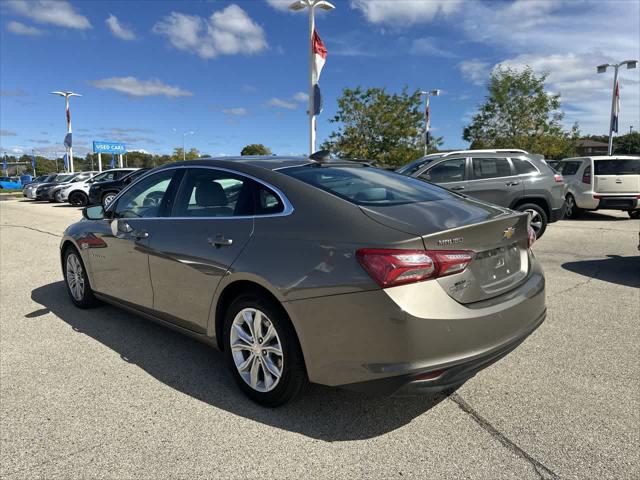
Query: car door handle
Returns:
{"type": "Point", "coordinates": [140, 234]}
{"type": "Point", "coordinates": [457, 188]}
{"type": "Point", "coordinates": [512, 184]}
{"type": "Point", "coordinates": [220, 241]}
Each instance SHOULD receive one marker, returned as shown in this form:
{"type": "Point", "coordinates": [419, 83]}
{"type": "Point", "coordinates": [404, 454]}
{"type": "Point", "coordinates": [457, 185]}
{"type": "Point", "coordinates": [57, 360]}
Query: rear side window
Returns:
{"type": "Point", "coordinates": [569, 168]}
{"type": "Point", "coordinates": [368, 186]}
{"type": "Point", "coordinates": [617, 167]}
{"type": "Point", "coordinates": [523, 167]}
{"type": "Point", "coordinates": [490, 168]}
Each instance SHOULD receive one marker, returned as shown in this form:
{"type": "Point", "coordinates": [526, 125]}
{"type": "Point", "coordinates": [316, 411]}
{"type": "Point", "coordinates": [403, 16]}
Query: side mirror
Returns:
{"type": "Point", "coordinates": [94, 213]}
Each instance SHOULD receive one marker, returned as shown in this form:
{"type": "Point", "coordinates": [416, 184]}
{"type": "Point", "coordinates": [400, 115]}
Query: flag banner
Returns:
{"type": "Point", "coordinates": [4, 164]}
{"type": "Point", "coordinates": [428, 137]}
{"type": "Point", "coordinates": [317, 100]}
{"type": "Point", "coordinates": [113, 160]}
{"type": "Point", "coordinates": [33, 162]}
{"type": "Point", "coordinates": [319, 56]}
{"type": "Point", "coordinates": [616, 109]}
{"type": "Point", "coordinates": [67, 140]}
{"type": "Point", "coordinates": [68, 112]}
{"type": "Point", "coordinates": [427, 117]}
{"type": "Point", "coordinates": [66, 161]}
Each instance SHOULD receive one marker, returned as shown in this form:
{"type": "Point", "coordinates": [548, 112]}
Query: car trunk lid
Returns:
{"type": "Point", "coordinates": [498, 238]}
{"type": "Point", "coordinates": [617, 176]}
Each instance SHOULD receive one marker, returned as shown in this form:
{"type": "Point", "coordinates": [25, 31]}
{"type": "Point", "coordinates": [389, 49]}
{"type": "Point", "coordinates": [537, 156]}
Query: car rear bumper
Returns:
{"type": "Point", "coordinates": [376, 341]}
{"type": "Point", "coordinates": [628, 202]}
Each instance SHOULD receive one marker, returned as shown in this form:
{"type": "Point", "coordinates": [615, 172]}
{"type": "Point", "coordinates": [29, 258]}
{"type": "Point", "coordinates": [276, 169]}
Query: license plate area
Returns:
{"type": "Point", "coordinates": [499, 268]}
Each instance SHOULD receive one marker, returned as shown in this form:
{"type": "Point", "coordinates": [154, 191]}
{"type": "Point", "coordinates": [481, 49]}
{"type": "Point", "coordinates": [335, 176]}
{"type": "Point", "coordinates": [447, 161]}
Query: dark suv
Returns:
{"type": "Point", "coordinates": [509, 178]}
{"type": "Point", "coordinates": [104, 192]}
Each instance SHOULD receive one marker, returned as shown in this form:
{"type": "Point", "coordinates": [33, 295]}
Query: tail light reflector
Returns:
{"type": "Point", "coordinates": [531, 235]}
{"type": "Point", "coordinates": [558, 178]}
{"type": "Point", "coordinates": [586, 178]}
{"type": "Point", "coordinates": [389, 267]}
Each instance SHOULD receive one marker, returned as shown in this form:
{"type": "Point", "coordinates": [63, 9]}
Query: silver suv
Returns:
{"type": "Point", "coordinates": [510, 178]}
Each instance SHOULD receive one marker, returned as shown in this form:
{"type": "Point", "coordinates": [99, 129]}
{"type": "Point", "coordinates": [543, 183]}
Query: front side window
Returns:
{"type": "Point", "coordinates": [105, 176]}
{"type": "Point", "coordinates": [213, 193]}
{"type": "Point", "coordinates": [146, 199]}
{"type": "Point", "coordinates": [490, 168]}
{"type": "Point", "coordinates": [447, 171]}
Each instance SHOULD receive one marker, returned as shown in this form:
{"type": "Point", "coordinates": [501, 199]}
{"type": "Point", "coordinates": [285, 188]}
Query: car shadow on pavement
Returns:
{"type": "Point", "coordinates": [614, 269]}
{"type": "Point", "coordinates": [597, 217]}
{"type": "Point", "coordinates": [198, 370]}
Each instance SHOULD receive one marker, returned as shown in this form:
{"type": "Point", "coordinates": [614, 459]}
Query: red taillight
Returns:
{"type": "Point", "coordinates": [558, 178]}
{"type": "Point", "coordinates": [531, 235]}
{"type": "Point", "coordinates": [597, 197]}
{"type": "Point", "coordinates": [586, 178]}
{"type": "Point", "coordinates": [396, 267]}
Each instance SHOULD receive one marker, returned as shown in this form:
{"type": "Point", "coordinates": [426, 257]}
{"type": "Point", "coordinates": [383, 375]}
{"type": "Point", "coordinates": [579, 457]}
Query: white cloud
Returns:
{"type": "Point", "coordinates": [280, 103]}
{"type": "Point", "coordinates": [7, 133]}
{"type": "Point", "coordinates": [280, 4]}
{"type": "Point", "coordinates": [426, 46]}
{"type": "Point", "coordinates": [54, 12]}
{"type": "Point", "coordinates": [226, 32]}
{"type": "Point", "coordinates": [238, 111]}
{"type": "Point", "coordinates": [121, 31]}
{"type": "Point", "coordinates": [140, 88]}
{"type": "Point", "coordinates": [301, 97]}
{"type": "Point", "coordinates": [403, 12]}
{"type": "Point", "coordinates": [474, 70]}
{"type": "Point", "coordinates": [22, 29]}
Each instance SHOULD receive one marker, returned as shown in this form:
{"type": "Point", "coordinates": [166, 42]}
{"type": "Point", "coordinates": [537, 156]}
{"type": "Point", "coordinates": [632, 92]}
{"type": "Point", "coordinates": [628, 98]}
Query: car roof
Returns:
{"type": "Point", "coordinates": [268, 162]}
{"type": "Point", "coordinates": [604, 157]}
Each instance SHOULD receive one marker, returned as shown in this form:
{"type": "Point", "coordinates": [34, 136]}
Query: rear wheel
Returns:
{"type": "Point", "coordinates": [572, 210]}
{"type": "Point", "coordinates": [635, 214]}
{"type": "Point", "coordinates": [262, 351]}
{"type": "Point", "coordinates": [78, 199]}
{"type": "Point", "coordinates": [537, 215]}
{"type": "Point", "coordinates": [76, 279]}
{"type": "Point", "coordinates": [107, 198]}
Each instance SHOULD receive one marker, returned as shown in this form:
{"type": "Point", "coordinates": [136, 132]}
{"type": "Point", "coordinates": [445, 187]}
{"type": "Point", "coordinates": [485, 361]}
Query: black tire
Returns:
{"type": "Point", "coordinates": [111, 195]}
{"type": "Point", "coordinates": [294, 375]}
{"type": "Point", "coordinates": [86, 299]}
{"type": "Point", "coordinates": [572, 210]}
{"type": "Point", "coordinates": [78, 199]}
{"type": "Point", "coordinates": [635, 214]}
{"type": "Point", "coordinates": [539, 218]}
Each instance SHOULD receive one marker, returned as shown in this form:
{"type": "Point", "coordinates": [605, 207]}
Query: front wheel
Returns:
{"type": "Point", "coordinates": [58, 197]}
{"type": "Point", "coordinates": [76, 279]}
{"type": "Point", "coordinates": [78, 199]}
{"type": "Point", "coordinates": [635, 214]}
{"type": "Point", "coordinates": [572, 210]}
{"type": "Point", "coordinates": [262, 351]}
{"type": "Point", "coordinates": [538, 217]}
{"type": "Point", "coordinates": [108, 198]}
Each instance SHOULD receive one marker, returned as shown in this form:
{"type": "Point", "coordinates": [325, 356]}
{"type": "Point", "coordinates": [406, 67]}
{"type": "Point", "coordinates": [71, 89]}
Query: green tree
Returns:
{"type": "Point", "coordinates": [192, 154]}
{"type": "Point", "coordinates": [627, 144]}
{"type": "Point", "coordinates": [519, 113]}
{"type": "Point", "coordinates": [376, 125]}
{"type": "Point", "coordinates": [255, 149]}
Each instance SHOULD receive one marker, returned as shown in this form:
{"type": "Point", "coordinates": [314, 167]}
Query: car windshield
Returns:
{"type": "Point", "coordinates": [630, 166]}
{"type": "Point", "coordinates": [63, 178]}
{"type": "Point", "coordinates": [367, 185]}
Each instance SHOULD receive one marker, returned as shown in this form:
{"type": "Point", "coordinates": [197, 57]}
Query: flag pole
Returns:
{"type": "Point", "coordinates": [613, 105]}
{"type": "Point", "coordinates": [312, 117]}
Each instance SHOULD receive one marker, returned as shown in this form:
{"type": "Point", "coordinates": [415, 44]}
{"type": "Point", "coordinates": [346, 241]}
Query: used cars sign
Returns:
{"type": "Point", "coordinates": [108, 147]}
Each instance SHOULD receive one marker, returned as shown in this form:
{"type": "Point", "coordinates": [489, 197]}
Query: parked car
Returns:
{"type": "Point", "coordinates": [602, 183]}
{"type": "Point", "coordinates": [332, 272]}
{"type": "Point", "coordinates": [29, 190]}
{"type": "Point", "coordinates": [78, 193]}
{"type": "Point", "coordinates": [25, 179]}
{"type": "Point", "coordinates": [12, 183]}
{"type": "Point", "coordinates": [103, 193]}
{"type": "Point", "coordinates": [53, 194]}
{"type": "Point", "coordinates": [42, 191]}
{"type": "Point", "coordinates": [509, 178]}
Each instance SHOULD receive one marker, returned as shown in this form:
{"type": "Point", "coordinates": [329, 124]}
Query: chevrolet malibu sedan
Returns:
{"type": "Point", "coordinates": [326, 271]}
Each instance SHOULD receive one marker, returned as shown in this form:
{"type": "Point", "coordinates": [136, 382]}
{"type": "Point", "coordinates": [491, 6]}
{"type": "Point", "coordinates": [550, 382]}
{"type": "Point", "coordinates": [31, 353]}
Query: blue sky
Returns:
{"type": "Point", "coordinates": [235, 72]}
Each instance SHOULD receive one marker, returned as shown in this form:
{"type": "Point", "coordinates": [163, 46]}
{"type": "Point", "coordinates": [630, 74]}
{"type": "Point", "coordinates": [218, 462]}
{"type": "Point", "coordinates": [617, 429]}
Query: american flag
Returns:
{"type": "Point", "coordinates": [68, 113]}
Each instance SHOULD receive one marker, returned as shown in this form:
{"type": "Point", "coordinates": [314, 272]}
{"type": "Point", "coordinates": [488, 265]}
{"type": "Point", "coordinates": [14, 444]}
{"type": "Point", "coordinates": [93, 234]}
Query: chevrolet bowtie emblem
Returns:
{"type": "Point", "coordinates": [508, 233]}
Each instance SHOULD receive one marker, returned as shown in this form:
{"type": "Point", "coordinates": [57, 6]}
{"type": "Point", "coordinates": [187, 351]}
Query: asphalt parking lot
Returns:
{"type": "Point", "coordinates": [104, 394]}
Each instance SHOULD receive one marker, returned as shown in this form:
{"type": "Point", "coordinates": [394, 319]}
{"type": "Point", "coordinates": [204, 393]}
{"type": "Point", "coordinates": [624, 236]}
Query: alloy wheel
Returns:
{"type": "Point", "coordinates": [256, 349]}
{"type": "Point", "coordinates": [108, 198]}
{"type": "Point", "coordinates": [75, 277]}
{"type": "Point", "coordinates": [535, 219]}
{"type": "Point", "coordinates": [570, 206]}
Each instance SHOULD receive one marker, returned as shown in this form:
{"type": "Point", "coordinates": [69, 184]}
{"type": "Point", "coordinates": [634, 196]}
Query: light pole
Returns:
{"type": "Point", "coordinates": [184, 134]}
{"type": "Point", "coordinates": [614, 125]}
{"type": "Point", "coordinates": [427, 116]}
{"type": "Point", "coordinates": [67, 139]}
{"type": "Point", "coordinates": [311, 5]}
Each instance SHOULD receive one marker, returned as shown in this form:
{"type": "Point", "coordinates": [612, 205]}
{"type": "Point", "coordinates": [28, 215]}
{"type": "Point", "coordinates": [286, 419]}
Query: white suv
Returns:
{"type": "Point", "coordinates": [77, 194]}
{"type": "Point", "coordinates": [606, 182]}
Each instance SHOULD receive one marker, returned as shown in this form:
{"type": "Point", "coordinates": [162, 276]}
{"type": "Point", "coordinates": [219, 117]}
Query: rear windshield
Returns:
{"type": "Point", "coordinates": [617, 167]}
{"type": "Point", "coordinates": [368, 185]}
